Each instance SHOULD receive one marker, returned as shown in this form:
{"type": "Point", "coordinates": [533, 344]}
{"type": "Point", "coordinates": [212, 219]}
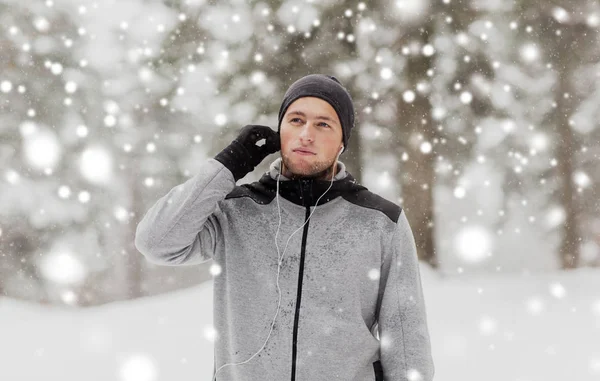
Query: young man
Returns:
{"type": "Point", "coordinates": [319, 277]}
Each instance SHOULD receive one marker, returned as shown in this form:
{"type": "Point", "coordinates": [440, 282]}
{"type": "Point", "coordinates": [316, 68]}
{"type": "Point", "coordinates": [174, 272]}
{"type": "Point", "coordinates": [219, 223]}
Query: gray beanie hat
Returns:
{"type": "Point", "coordinates": [328, 88]}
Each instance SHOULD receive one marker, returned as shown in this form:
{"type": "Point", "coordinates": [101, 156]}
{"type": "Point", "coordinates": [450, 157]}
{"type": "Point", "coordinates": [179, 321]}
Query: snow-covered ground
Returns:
{"type": "Point", "coordinates": [492, 327]}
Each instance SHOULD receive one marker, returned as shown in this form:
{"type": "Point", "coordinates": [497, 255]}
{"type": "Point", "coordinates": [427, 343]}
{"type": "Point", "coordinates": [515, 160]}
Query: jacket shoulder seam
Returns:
{"type": "Point", "coordinates": [248, 190]}
{"type": "Point", "coordinates": [369, 200]}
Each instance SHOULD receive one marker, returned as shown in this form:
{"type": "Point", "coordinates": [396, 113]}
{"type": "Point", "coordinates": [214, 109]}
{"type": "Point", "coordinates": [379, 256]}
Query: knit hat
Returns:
{"type": "Point", "coordinates": [328, 88]}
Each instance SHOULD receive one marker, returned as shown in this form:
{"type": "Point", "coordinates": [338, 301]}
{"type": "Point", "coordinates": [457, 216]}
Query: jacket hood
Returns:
{"type": "Point", "coordinates": [307, 191]}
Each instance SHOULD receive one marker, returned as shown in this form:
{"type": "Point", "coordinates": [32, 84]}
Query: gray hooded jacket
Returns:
{"type": "Point", "coordinates": [352, 304]}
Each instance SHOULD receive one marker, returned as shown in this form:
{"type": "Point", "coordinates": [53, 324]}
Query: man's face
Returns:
{"type": "Point", "coordinates": [311, 137]}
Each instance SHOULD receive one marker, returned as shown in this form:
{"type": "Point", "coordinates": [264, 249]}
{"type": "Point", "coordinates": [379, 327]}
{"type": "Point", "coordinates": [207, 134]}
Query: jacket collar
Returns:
{"type": "Point", "coordinates": [306, 192]}
{"type": "Point", "coordinates": [275, 169]}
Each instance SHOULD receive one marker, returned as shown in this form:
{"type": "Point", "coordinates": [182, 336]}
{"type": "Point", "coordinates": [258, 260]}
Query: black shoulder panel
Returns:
{"type": "Point", "coordinates": [368, 199]}
{"type": "Point", "coordinates": [254, 191]}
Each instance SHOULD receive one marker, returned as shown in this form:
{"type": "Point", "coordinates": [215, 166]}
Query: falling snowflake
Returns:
{"type": "Point", "coordinates": [535, 305]}
{"type": "Point", "coordinates": [220, 119]}
{"type": "Point", "coordinates": [466, 97]}
{"type": "Point", "coordinates": [473, 243]}
{"type": "Point", "coordinates": [558, 290]}
{"type": "Point", "coordinates": [386, 73]}
{"type": "Point", "coordinates": [6, 86]}
{"type": "Point", "coordinates": [408, 96]}
{"type": "Point", "coordinates": [487, 325]}
{"type": "Point", "coordinates": [425, 147]}
{"type": "Point", "coordinates": [374, 274]}
{"type": "Point", "coordinates": [215, 269]}
{"type": "Point", "coordinates": [459, 192]}
{"type": "Point", "coordinates": [138, 367]}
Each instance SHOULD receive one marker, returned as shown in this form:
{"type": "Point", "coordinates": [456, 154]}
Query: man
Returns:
{"type": "Point", "coordinates": [314, 268]}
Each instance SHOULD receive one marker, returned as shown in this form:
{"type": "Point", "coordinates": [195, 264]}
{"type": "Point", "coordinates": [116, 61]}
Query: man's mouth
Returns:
{"type": "Point", "coordinates": [302, 151]}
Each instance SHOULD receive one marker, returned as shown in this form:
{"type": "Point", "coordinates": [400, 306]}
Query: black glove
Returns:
{"type": "Point", "coordinates": [243, 155]}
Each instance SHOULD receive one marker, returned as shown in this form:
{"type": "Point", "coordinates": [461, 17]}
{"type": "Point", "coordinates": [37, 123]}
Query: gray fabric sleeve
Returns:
{"type": "Point", "coordinates": [404, 336]}
{"type": "Point", "coordinates": [181, 228]}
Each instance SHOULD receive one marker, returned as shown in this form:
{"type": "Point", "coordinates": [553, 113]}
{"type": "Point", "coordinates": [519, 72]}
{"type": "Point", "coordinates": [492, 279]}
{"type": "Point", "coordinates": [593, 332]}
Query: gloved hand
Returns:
{"type": "Point", "coordinates": [243, 155]}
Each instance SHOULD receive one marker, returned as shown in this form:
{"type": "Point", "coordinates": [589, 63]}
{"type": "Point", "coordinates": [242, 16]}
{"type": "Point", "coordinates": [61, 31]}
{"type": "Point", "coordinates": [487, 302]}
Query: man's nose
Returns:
{"type": "Point", "coordinates": [307, 132]}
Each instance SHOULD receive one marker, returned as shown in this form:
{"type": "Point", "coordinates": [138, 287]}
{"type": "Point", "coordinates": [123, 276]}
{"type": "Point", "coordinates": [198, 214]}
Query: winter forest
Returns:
{"type": "Point", "coordinates": [479, 117]}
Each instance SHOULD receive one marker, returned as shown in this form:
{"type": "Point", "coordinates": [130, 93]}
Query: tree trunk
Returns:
{"type": "Point", "coordinates": [417, 173]}
{"type": "Point", "coordinates": [565, 150]}
{"type": "Point", "coordinates": [417, 179]}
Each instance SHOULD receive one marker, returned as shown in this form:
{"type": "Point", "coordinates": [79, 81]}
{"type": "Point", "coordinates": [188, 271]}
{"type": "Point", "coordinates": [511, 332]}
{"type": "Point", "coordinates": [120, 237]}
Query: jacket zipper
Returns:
{"type": "Point", "coordinates": [299, 293]}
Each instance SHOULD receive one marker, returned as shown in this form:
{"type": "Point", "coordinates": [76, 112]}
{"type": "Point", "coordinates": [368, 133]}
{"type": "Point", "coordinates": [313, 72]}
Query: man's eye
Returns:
{"type": "Point", "coordinates": [324, 124]}
{"type": "Point", "coordinates": [294, 120]}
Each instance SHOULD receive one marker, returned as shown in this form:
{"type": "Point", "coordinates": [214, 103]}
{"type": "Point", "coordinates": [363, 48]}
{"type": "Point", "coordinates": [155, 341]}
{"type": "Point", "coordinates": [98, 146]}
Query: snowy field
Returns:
{"type": "Point", "coordinates": [495, 327]}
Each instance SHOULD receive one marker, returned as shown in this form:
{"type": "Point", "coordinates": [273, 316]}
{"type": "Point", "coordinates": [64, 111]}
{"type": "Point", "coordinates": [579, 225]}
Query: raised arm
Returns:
{"type": "Point", "coordinates": [181, 228]}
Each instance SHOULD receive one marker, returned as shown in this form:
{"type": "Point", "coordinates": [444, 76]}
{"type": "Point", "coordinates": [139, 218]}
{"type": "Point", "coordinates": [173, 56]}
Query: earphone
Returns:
{"type": "Point", "coordinates": [280, 258]}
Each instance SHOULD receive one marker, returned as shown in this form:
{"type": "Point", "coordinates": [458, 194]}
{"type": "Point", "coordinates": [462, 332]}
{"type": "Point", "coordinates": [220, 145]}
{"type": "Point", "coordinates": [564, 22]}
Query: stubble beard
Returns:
{"type": "Point", "coordinates": [320, 170]}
